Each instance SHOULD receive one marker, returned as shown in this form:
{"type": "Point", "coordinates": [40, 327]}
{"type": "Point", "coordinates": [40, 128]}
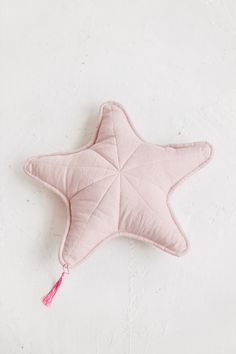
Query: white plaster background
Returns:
{"type": "Point", "coordinates": [172, 64]}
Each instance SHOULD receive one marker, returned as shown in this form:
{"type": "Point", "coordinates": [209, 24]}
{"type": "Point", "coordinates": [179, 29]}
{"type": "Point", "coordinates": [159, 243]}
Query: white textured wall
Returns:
{"type": "Point", "coordinates": [172, 64]}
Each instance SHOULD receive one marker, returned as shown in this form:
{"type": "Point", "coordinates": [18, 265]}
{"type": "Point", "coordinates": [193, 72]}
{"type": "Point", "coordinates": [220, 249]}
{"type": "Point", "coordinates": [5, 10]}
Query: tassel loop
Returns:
{"type": "Point", "coordinates": [66, 269]}
{"type": "Point", "coordinates": [47, 299]}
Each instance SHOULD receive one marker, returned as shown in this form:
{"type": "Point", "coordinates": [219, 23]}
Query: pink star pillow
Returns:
{"type": "Point", "coordinates": [118, 185]}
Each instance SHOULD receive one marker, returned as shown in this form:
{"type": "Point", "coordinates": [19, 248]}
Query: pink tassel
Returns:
{"type": "Point", "coordinates": [47, 299]}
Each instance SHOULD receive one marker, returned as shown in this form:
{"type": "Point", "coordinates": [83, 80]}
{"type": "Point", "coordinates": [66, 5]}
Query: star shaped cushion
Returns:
{"type": "Point", "coordinates": [118, 185]}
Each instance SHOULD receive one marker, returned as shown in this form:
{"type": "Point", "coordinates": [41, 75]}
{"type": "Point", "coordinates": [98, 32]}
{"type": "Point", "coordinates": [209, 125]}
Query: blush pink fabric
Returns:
{"type": "Point", "coordinates": [118, 185]}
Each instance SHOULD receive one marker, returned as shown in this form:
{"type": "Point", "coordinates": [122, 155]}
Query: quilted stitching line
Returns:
{"type": "Point", "coordinates": [103, 158]}
{"type": "Point", "coordinates": [99, 180]}
{"type": "Point", "coordinates": [132, 153]}
{"type": "Point", "coordinates": [96, 207]}
{"type": "Point", "coordinates": [154, 211]}
{"type": "Point", "coordinates": [148, 182]}
{"type": "Point", "coordinates": [119, 166]}
{"type": "Point", "coordinates": [95, 167]}
{"type": "Point", "coordinates": [118, 158]}
{"type": "Point", "coordinates": [145, 164]}
{"type": "Point", "coordinates": [75, 166]}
